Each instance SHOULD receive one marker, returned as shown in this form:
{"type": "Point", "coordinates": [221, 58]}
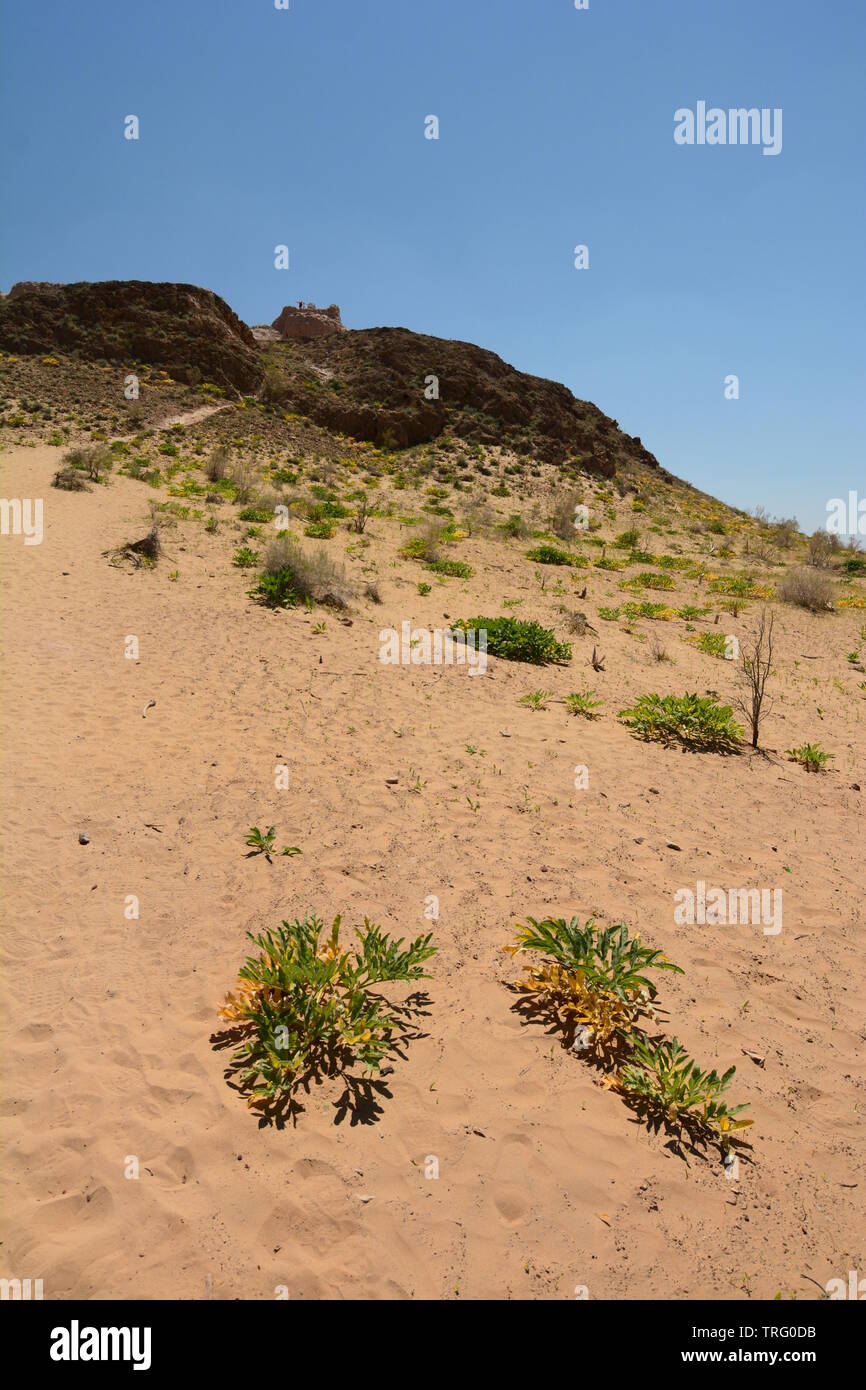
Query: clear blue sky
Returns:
{"type": "Point", "coordinates": [306, 127]}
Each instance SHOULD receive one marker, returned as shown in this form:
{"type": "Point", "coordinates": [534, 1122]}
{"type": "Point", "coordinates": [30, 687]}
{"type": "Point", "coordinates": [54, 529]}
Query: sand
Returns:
{"type": "Point", "coordinates": [547, 1184]}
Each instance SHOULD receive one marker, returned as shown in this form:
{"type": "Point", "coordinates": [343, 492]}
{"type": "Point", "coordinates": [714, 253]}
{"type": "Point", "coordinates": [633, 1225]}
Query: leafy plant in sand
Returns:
{"type": "Point", "coordinates": [536, 699]}
{"type": "Point", "coordinates": [303, 1001]}
{"type": "Point", "coordinates": [550, 555]}
{"type": "Point", "coordinates": [588, 977]}
{"type": "Point", "coordinates": [517, 640]}
{"type": "Point", "coordinates": [665, 1079]}
{"type": "Point", "coordinates": [711, 644]}
{"type": "Point", "coordinates": [581, 702]}
{"type": "Point", "coordinates": [811, 756]}
{"type": "Point", "coordinates": [694, 720]}
{"type": "Point", "coordinates": [262, 841]}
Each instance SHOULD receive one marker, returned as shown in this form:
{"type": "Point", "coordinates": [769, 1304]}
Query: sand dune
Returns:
{"type": "Point", "coordinates": [546, 1181]}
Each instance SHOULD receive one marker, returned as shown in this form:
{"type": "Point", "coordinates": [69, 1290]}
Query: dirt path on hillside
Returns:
{"type": "Point", "coordinates": [192, 417]}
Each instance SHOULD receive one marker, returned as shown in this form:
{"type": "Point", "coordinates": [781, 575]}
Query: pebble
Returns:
{"type": "Point", "coordinates": [83, 839]}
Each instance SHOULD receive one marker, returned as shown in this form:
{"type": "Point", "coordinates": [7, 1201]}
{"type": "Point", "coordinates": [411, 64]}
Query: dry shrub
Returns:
{"type": "Point", "coordinates": [363, 511]}
{"type": "Point", "coordinates": [275, 387]}
{"type": "Point", "coordinates": [807, 588]}
{"type": "Point", "coordinates": [91, 459]}
{"type": "Point", "coordinates": [243, 481]}
{"type": "Point", "coordinates": [760, 547]}
{"type": "Point", "coordinates": [148, 547]}
{"type": "Point", "coordinates": [477, 515]}
{"type": "Point", "coordinates": [314, 575]}
{"type": "Point", "coordinates": [577, 623]}
{"type": "Point", "coordinates": [757, 662]}
{"type": "Point", "coordinates": [562, 516]}
{"type": "Point", "coordinates": [785, 531]}
{"type": "Point", "coordinates": [270, 499]}
{"type": "Point", "coordinates": [217, 466]}
{"type": "Point", "coordinates": [70, 480]}
{"type": "Point", "coordinates": [822, 548]}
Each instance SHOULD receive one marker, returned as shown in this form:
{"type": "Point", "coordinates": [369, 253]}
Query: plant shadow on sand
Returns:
{"type": "Point", "coordinates": [686, 1134]}
{"type": "Point", "coordinates": [362, 1090]}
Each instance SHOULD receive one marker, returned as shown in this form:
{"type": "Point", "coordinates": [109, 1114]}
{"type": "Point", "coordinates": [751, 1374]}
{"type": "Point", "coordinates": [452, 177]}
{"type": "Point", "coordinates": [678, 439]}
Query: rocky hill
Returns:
{"type": "Point", "coordinates": [399, 388]}
{"type": "Point", "coordinates": [390, 386]}
{"type": "Point", "coordinates": [180, 328]}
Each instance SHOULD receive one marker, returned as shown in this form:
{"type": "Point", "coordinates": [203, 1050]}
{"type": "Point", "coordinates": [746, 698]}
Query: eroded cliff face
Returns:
{"type": "Point", "coordinates": [181, 328]}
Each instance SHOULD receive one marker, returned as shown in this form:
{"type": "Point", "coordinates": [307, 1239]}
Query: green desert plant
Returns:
{"type": "Point", "coordinates": [456, 569]}
{"type": "Point", "coordinates": [672, 562]}
{"type": "Point", "coordinates": [628, 540]}
{"type": "Point", "coordinates": [648, 580]}
{"type": "Point", "coordinates": [810, 756]}
{"type": "Point", "coordinates": [321, 530]}
{"type": "Point", "coordinates": [694, 720]}
{"type": "Point", "coordinates": [586, 977]}
{"type": "Point", "coordinates": [304, 1002]}
{"type": "Point", "coordinates": [739, 585]}
{"type": "Point", "coordinates": [262, 841]}
{"type": "Point", "coordinates": [550, 555]}
{"type": "Point", "coordinates": [659, 612]}
{"type": "Point", "coordinates": [515, 527]}
{"type": "Point", "coordinates": [581, 702]}
{"type": "Point", "coordinates": [245, 558]}
{"type": "Point", "coordinates": [517, 640]}
{"type": "Point", "coordinates": [424, 546]}
{"type": "Point", "coordinates": [667, 1081]}
{"type": "Point", "coordinates": [257, 512]}
{"type": "Point", "coordinates": [536, 699]}
{"type": "Point", "coordinates": [276, 590]}
{"type": "Point", "coordinates": [612, 959]}
{"type": "Point", "coordinates": [711, 643]}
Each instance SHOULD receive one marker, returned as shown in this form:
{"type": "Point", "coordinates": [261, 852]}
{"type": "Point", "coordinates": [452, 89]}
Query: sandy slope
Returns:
{"type": "Point", "coordinates": [546, 1181]}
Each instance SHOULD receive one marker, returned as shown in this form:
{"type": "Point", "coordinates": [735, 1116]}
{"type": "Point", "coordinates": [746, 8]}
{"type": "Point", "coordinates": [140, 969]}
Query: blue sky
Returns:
{"type": "Point", "coordinates": [306, 127]}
